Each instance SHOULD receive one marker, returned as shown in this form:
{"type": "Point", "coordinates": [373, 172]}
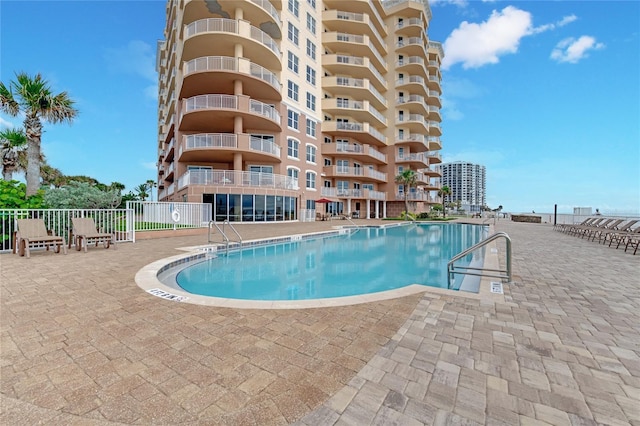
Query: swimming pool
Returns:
{"type": "Point", "coordinates": [362, 261]}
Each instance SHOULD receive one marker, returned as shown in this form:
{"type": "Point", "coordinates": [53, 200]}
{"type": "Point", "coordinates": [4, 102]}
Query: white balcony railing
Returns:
{"type": "Point", "coordinates": [237, 179]}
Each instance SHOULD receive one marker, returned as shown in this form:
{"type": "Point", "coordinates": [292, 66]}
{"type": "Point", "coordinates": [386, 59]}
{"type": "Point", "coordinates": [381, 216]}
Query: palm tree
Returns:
{"type": "Point", "coordinates": [150, 185]}
{"type": "Point", "coordinates": [13, 143]}
{"type": "Point", "coordinates": [444, 191]}
{"type": "Point", "coordinates": [142, 191]}
{"type": "Point", "coordinates": [408, 179]}
{"type": "Point", "coordinates": [33, 97]}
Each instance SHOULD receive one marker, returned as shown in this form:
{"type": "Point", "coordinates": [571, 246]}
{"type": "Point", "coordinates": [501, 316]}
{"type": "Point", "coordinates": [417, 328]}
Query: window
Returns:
{"type": "Point", "coordinates": [294, 7]}
{"type": "Point", "coordinates": [294, 173]}
{"type": "Point", "coordinates": [311, 75]}
{"type": "Point", "coordinates": [292, 62]}
{"type": "Point", "coordinates": [292, 148]}
{"type": "Point", "coordinates": [293, 119]}
{"type": "Point", "coordinates": [311, 154]}
{"type": "Point", "coordinates": [311, 101]}
{"type": "Point", "coordinates": [311, 180]}
{"type": "Point", "coordinates": [292, 90]}
{"type": "Point", "coordinates": [311, 23]}
{"type": "Point", "coordinates": [293, 33]}
{"type": "Point", "coordinates": [312, 3]}
{"type": "Point", "coordinates": [311, 128]}
{"type": "Point", "coordinates": [311, 48]}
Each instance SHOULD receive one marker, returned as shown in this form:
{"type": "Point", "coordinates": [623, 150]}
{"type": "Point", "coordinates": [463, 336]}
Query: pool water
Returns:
{"type": "Point", "coordinates": [365, 261]}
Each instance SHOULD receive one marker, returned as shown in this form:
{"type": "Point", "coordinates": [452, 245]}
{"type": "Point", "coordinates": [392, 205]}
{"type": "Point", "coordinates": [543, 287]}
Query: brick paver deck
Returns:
{"type": "Point", "coordinates": [82, 344]}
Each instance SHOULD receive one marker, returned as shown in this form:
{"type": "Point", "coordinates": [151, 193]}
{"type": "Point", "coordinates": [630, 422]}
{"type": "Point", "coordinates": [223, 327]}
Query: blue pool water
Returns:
{"type": "Point", "coordinates": [366, 261]}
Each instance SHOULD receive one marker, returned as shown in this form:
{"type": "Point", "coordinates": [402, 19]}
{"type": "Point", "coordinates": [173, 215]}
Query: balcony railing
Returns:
{"type": "Point", "coordinates": [359, 127]}
{"type": "Point", "coordinates": [237, 179]}
{"type": "Point", "coordinates": [266, 5]}
{"type": "Point", "coordinates": [217, 101]}
{"type": "Point", "coordinates": [369, 194]}
{"type": "Point", "coordinates": [360, 149]}
{"type": "Point", "coordinates": [412, 157]}
{"type": "Point", "coordinates": [228, 63]}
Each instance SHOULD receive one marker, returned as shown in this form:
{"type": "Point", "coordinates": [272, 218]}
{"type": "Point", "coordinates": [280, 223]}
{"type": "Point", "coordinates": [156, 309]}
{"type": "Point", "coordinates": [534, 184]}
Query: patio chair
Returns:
{"type": "Point", "coordinates": [84, 232]}
{"type": "Point", "coordinates": [33, 233]}
{"type": "Point", "coordinates": [624, 237]}
{"type": "Point", "coordinates": [582, 229]}
{"type": "Point", "coordinates": [596, 232]}
{"type": "Point", "coordinates": [621, 229]}
{"type": "Point", "coordinates": [563, 227]}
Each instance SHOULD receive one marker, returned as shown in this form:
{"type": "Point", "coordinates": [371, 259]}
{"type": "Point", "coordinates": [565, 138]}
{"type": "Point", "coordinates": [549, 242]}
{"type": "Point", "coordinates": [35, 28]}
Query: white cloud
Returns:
{"type": "Point", "coordinates": [475, 45]}
{"type": "Point", "coordinates": [149, 165]}
{"type": "Point", "coordinates": [459, 3]}
{"type": "Point", "coordinates": [6, 123]}
{"type": "Point", "coordinates": [561, 23]}
{"type": "Point", "coordinates": [572, 50]}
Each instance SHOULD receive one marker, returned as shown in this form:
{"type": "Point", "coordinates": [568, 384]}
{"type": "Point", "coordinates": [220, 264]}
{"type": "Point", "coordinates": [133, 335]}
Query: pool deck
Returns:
{"type": "Point", "coordinates": [82, 344]}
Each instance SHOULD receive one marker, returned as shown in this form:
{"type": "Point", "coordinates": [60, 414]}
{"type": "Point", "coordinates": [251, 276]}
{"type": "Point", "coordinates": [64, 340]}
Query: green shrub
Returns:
{"type": "Point", "coordinates": [13, 195]}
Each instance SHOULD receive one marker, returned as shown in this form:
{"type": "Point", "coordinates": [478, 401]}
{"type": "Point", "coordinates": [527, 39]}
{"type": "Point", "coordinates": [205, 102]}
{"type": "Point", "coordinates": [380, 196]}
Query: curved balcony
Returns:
{"type": "Point", "coordinates": [434, 114]}
{"type": "Point", "coordinates": [411, 27]}
{"type": "Point", "coordinates": [364, 153]}
{"type": "Point", "coordinates": [434, 157]}
{"type": "Point", "coordinates": [355, 23]}
{"type": "Point", "coordinates": [434, 98]}
{"type": "Point", "coordinates": [204, 147]}
{"type": "Point", "coordinates": [217, 112]}
{"type": "Point", "coordinates": [435, 49]}
{"type": "Point", "coordinates": [416, 123]}
{"type": "Point", "coordinates": [357, 88]}
{"type": "Point", "coordinates": [363, 132]}
{"type": "Point", "coordinates": [356, 67]}
{"type": "Point", "coordinates": [220, 36]}
{"type": "Point", "coordinates": [415, 160]}
{"type": "Point", "coordinates": [359, 6]}
{"type": "Point", "coordinates": [413, 196]}
{"type": "Point", "coordinates": [430, 173]}
{"type": "Point", "coordinates": [363, 174]}
{"type": "Point", "coordinates": [414, 46]}
{"type": "Point", "coordinates": [238, 179]}
{"type": "Point", "coordinates": [353, 44]}
{"type": "Point", "coordinates": [365, 194]}
{"type": "Point", "coordinates": [209, 73]}
{"type": "Point", "coordinates": [414, 141]}
{"type": "Point", "coordinates": [433, 83]}
{"type": "Point", "coordinates": [414, 104]}
{"type": "Point", "coordinates": [358, 110]}
{"type": "Point", "coordinates": [414, 65]}
{"type": "Point", "coordinates": [409, 8]}
{"type": "Point", "coordinates": [434, 128]}
{"type": "Point", "coordinates": [434, 143]}
{"type": "Point", "coordinates": [414, 84]}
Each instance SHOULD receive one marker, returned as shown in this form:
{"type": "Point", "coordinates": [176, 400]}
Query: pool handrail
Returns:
{"type": "Point", "coordinates": [467, 270]}
{"type": "Point", "coordinates": [224, 235]}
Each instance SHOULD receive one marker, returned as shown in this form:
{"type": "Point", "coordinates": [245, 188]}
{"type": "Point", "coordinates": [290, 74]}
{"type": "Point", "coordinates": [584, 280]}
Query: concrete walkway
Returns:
{"type": "Point", "coordinates": [82, 344]}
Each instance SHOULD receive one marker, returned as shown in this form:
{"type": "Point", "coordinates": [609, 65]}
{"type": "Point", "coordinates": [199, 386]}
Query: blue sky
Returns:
{"type": "Point", "coordinates": [545, 94]}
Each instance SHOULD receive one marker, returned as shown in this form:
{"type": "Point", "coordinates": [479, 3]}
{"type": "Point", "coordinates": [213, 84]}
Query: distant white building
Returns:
{"type": "Point", "coordinates": [467, 182]}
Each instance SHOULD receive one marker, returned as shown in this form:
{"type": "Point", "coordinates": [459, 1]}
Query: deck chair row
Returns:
{"type": "Point", "coordinates": [606, 230]}
{"type": "Point", "coordinates": [32, 233]}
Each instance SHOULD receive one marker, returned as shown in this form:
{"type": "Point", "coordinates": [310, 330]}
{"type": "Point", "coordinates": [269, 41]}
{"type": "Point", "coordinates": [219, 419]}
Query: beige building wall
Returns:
{"type": "Point", "coordinates": [301, 100]}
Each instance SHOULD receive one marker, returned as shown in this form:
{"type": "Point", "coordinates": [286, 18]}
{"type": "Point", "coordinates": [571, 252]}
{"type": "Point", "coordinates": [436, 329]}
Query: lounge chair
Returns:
{"type": "Point", "coordinates": [624, 237]}
{"type": "Point", "coordinates": [33, 233]}
{"type": "Point", "coordinates": [563, 227]}
{"type": "Point", "coordinates": [582, 230]}
{"type": "Point", "coordinates": [597, 231]}
{"type": "Point", "coordinates": [610, 233]}
{"type": "Point", "coordinates": [570, 228]}
{"type": "Point", "coordinates": [84, 232]}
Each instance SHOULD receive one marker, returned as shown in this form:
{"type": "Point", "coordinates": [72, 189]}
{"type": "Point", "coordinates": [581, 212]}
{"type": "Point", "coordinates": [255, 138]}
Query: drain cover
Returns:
{"type": "Point", "coordinates": [496, 288]}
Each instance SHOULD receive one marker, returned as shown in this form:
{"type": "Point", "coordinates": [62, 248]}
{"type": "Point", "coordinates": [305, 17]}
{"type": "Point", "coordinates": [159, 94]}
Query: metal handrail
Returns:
{"type": "Point", "coordinates": [224, 235]}
{"type": "Point", "coordinates": [500, 273]}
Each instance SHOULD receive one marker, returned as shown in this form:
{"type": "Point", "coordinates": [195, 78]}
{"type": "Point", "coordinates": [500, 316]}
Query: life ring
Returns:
{"type": "Point", "coordinates": [175, 215]}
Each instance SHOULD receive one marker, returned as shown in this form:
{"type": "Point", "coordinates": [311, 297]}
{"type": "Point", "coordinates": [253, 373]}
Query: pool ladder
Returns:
{"type": "Point", "coordinates": [504, 274]}
{"type": "Point", "coordinates": [225, 237]}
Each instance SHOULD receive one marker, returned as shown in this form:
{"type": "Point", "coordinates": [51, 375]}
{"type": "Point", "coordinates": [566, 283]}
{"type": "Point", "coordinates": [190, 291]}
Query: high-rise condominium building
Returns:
{"type": "Point", "coordinates": [468, 184]}
{"type": "Point", "coordinates": [266, 106]}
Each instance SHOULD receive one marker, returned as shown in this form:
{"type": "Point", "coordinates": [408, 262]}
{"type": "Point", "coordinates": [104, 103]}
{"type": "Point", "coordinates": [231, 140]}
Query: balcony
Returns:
{"type": "Point", "coordinates": [357, 88]}
{"type": "Point", "coordinates": [356, 67]}
{"type": "Point", "coordinates": [434, 113]}
{"type": "Point", "coordinates": [434, 98]}
{"type": "Point", "coordinates": [433, 83]}
{"type": "Point", "coordinates": [411, 27]}
{"type": "Point", "coordinates": [414, 84]}
{"type": "Point", "coordinates": [362, 173]}
{"type": "Point", "coordinates": [356, 23]}
{"type": "Point", "coordinates": [359, 152]}
{"type": "Point", "coordinates": [434, 143]}
{"type": "Point", "coordinates": [362, 132]}
{"type": "Point", "coordinates": [416, 142]}
{"type": "Point", "coordinates": [170, 150]}
{"type": "Point", "coordinates": [217, 112]}
{"type": "Point", "coordinates": [435, 49]}
{"type": "Point", "coordinates": [416, 160]}
{"type": "Point", "coordinates": [414, 46]}
{"type": "Point", "coordinates": [359, 6]}
{"type": "Point", "coordinates": [434, 157]}
{"type": "Point", "coordinates": [205, 147]}
{"type": "Point", "coordinates": [434, 128]}
{"type": "Point", "coordinates": [353, 44]}
{"type": "Point", "coordinates": [413, 65]}
{"type": "Point", "coordinates": [211, 73]}
{"type": "Point", "coordinates": [238, 179]}
{"type": "Point", "coordinates": [222, 36]}
{"type": "Point", "coordinates": [365, 194]}
{"type": "Point", "coordinates": [414, 103]}
{"type": "Point", "coordinates": [413, 196]}
{"type": "Point", "coordinates": [414, 122]}
{"type": "Point", "coordinates": [358, 110]}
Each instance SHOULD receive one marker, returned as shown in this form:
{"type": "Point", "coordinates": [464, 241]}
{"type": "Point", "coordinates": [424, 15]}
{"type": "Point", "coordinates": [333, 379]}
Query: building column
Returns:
{"type": "Point", "coordinates": [237, 161]}
{"type": "Point", "coordinates": [377, 209]}
{"type": "Point", "coordinates": [368, 210]}
{"type": "Point", "coordinates": [384, 209]}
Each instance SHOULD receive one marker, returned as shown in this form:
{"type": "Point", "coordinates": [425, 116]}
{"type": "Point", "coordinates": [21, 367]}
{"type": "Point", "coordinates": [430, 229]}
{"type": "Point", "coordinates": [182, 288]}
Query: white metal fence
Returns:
{"type": "Point", "coordinates": [152, 215]}
{"type": "Point", "coordinates": [118, 222]}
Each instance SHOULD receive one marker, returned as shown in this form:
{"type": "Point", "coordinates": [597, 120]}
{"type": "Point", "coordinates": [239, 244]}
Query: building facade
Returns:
{"type": "Point", "coordinates": [468, 185]}
{"type": "Point", "coordinates": [266, 106]}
